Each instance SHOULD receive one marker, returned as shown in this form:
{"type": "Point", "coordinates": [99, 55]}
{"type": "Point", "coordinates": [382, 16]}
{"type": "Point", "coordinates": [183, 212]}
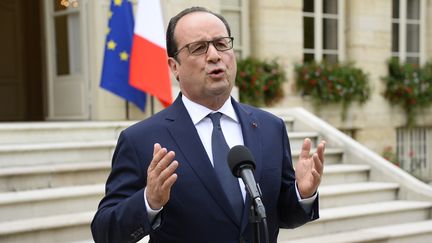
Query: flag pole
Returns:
{"type": "Point", "coordinates": [152, 105]}
{"type": "Point", "coordinates": [127, 110]}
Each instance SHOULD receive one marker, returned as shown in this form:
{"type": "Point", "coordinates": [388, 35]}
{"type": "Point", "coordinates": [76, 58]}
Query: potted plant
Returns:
{"type": "Point", "coordinates": [409, 86]}
{"type": "Point", "coordinates": [259, 81]}
{"type": "Point", "coordinates": [329, 83]}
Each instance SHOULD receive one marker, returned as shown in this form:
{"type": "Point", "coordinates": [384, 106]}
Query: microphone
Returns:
{"type": "Point", "coordinates": [242, 164]}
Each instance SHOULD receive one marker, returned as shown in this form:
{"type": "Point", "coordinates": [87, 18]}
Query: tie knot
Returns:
{"type": "Point", "coordinates": [215, 118]}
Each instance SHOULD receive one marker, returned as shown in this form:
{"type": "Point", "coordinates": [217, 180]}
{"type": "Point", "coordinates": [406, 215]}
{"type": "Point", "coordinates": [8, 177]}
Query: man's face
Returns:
{"type": "Point", "coordinates": [207, 78]}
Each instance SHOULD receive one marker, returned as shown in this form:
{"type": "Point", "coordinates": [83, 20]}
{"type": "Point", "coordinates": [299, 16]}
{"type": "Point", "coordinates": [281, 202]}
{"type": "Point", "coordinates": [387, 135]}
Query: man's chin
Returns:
{"type": "Point", "coordinates": [221, 89]}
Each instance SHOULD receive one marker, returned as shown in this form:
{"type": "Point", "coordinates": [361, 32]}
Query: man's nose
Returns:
{"type": "Point", "coordinates": [213, 53]}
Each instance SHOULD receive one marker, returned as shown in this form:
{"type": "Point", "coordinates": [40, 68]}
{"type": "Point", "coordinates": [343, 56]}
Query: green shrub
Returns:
{"type": "Point", "coordinates": [260, 82]}
{"type": "Point", "coordinates": [409, 86]}
{"type": "Point", "coordinates": [332, 84]}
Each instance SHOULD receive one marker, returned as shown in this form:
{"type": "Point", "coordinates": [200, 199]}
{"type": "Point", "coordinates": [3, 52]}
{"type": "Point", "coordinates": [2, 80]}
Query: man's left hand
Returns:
{"type": "Point", "coordinates": [309, 169]}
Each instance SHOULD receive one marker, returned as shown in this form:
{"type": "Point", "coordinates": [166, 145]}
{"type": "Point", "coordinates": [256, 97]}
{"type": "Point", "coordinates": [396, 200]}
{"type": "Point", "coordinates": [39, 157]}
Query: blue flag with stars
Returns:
{"type": "Point", "coordinates": [115, 69]}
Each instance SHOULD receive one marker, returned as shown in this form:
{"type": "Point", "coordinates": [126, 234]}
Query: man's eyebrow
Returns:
{"type": "Point", "coordinates": [214, 38]}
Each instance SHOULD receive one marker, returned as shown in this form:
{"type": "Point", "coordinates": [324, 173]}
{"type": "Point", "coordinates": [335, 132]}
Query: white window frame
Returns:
{"type": "Point", "coordinates": [243, 10]}
{"type": "Point", "coordinates": [402, 22]}
{"type": "Point", "coordinates": [414, 151]}
{"type": "Point", "coordinates": [319, 17]}
{"type": "Point", "coordinates": [79, 109]}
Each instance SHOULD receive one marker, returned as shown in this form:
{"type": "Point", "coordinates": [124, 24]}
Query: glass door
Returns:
{"type": "Point", "coordinates": [68, 82]}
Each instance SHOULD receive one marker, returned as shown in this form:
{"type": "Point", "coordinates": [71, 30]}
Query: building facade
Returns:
{"type": "Point", "coordinates": [52, 57]}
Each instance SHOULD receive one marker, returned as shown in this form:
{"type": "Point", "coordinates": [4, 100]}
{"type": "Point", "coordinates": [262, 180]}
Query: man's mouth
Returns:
{"type": "Point", "coordinates": [216, 71]}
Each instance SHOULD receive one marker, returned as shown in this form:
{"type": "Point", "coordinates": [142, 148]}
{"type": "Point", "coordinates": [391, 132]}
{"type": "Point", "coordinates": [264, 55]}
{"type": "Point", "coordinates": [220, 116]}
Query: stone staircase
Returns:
{"type": "Point", "coordinates": [52, 177]}
{"type": "Point", "coordinates": [363, 198]}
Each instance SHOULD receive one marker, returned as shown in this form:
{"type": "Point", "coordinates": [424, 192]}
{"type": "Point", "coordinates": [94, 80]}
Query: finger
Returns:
{"type": "Point", "coordinates": [164, 162]}
{"type": "Point", "coordinates": [320, 150]}
{"type": "Point", "coordinates": [169, 183]}
{"type": "Point", "coordinates": [168, 171]}
{"type": "Point", "coordinates": [161, 152]}
{"type": "Point", "coordinates": [305, 150]}
{"type": "Point", "coordinates": [318, 165]}
{"type": "Point", "coordinates": [156, 148]}
{"type": "Point", "coordinates": [316, 179]}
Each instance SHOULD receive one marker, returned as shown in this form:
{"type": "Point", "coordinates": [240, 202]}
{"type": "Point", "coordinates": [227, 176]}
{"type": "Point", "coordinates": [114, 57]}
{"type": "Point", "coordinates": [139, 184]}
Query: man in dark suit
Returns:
{"type": "Point", "coordinates": [163, 180]}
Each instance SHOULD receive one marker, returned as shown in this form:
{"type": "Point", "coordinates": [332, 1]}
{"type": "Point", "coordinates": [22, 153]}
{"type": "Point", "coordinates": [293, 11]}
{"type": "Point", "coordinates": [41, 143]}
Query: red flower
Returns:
{"type": "Point", "coordinates": [411, 154]}
{"type": "Point", "coordinates": [408, 90]}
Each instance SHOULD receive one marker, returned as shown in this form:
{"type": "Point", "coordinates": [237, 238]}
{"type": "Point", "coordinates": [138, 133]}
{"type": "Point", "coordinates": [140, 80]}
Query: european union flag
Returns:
{"type": "Point", "coordinates": [115, 70]}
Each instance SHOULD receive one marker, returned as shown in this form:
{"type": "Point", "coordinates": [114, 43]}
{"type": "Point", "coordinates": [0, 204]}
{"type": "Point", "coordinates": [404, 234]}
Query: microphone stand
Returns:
{"type": "Point", "coordinates": [253, 219]}
{"type": "Point", "coordinates": [257, 214]}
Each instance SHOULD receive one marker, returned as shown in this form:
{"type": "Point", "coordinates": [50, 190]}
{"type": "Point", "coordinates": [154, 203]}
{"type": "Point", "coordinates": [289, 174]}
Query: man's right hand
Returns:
{"type": "Point", "coordinates": [160, 177]}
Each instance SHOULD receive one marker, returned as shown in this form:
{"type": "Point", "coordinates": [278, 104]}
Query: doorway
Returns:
{"type": "Point", "coordinates": [21, 65]}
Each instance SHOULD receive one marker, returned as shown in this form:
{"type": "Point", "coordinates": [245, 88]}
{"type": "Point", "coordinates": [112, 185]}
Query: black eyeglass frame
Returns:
{"type": "Point", "coordinates": [230, 42]}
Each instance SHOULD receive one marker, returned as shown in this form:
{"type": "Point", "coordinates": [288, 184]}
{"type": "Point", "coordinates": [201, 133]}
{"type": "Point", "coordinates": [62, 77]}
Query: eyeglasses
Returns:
{"type": "Point", "coordinates": [201, 47]}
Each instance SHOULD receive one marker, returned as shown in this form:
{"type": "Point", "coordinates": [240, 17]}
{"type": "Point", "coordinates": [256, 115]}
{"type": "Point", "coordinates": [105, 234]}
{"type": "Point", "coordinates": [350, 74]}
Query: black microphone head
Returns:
{"type": "Point", "coordinates": [239, 157]}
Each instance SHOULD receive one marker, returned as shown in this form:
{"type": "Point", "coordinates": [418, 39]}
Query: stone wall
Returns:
{"type": "Point", "coordinates": [276, 31]}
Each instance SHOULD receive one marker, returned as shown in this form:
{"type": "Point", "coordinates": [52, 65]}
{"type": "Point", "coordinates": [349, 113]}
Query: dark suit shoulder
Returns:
{"type": "Point", "coordinates": [260, 113]}
{"type": "Point", "coordinates": [150, 127]}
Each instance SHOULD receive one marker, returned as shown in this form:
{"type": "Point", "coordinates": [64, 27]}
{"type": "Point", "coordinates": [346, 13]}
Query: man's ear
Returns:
{"type": "Point", "coordinates": [174, 65]}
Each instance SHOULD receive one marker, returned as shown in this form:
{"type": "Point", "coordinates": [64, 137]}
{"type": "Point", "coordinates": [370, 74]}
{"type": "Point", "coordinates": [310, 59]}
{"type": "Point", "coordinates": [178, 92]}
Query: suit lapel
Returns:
{"type": "Point", "coordinates": [185, 135]}
{"type": "Point", "coordinates": [251, 130]}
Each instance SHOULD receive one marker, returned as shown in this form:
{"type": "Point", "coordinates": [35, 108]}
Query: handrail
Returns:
{"type": "Point", "coordinates": [410, 187]}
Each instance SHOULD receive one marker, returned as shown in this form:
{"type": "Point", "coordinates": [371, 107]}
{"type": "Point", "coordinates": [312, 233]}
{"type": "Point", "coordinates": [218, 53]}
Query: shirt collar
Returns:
{"type": "Point", "coordinates": [198, 112]}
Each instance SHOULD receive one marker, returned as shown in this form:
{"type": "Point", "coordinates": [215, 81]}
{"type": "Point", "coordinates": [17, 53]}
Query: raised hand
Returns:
{"type": "Point", "coordinates": [160, 177]}
{"type": "Point", "coordinates": [309, 169]}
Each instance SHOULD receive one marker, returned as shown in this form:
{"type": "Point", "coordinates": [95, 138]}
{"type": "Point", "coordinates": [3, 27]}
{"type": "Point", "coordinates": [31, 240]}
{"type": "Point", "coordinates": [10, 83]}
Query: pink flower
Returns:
{"type": "Point", "coordinates": [411, 154]}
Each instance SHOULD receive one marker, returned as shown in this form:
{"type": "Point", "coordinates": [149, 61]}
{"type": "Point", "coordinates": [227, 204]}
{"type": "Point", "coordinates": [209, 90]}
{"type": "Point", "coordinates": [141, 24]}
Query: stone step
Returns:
{"type": "Point", "coordinates": [46, 202]}
{"type": "Point", "coordinates": [345, 173]}
{"type": "Point", "coordinates": [296, 139]}
{"type": "Point", "coordinates": [146, 239]}
{"type": "Point", "coordinates": [49, 132]}
{"type": "Point", "coordinates": [332, 155]}
{"type": "Point", "coordinates": [356, 193]}
{"type": "Point", "coordinates": [53, 175]}
{"type": "Point", "coordinates": [61, 152]}
{"type": "Point", "coordinates": [289, 122]}
{"type": "Point", "coordinates": [418, 232]}
{"type": "Point", "coordinates": [51, 229]}
{"type": "Point", "coordinates": [355, 217]}
{"type": "Point", "coordinates": [30, 203]}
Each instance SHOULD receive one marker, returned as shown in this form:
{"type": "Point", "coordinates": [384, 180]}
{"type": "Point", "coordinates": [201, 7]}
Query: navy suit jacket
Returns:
{"type": "Point", "coordinates": [198, 210]}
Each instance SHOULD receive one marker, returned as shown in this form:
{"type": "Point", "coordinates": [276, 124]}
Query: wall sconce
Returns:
{"type": "Point", "coordinates": [67, 3]}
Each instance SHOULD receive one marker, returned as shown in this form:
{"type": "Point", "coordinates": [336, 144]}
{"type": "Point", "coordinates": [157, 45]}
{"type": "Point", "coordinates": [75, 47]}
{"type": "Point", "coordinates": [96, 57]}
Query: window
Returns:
{"type": "Point", "coordinates": [414, 151]}
{"type": "Point", "coordinates": [323, 30]}
{"type": "Point", "coordinates": [67, 39]}
{"type": "Point", "coordinates": [408, 30]}
{"type": "Point", "coordinates": [236, 13]}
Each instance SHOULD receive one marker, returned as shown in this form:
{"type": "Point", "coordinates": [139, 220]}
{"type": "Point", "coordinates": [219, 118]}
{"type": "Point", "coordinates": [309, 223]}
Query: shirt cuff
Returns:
{"type": "Point", "coordinates": [306, 203]}
{"type": "Point", "coordinates": [151, 214]}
